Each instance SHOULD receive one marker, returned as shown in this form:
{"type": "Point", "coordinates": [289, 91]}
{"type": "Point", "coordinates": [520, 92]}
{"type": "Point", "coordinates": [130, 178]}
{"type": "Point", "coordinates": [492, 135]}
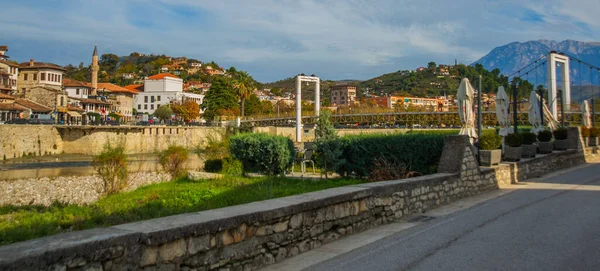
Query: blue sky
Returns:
{"type": "Point", "coordinates": [275, 39]}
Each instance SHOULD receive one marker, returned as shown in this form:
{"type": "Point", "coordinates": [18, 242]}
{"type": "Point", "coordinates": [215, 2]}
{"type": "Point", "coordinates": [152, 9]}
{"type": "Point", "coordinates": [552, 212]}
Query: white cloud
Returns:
{"type": "Point", "coordinates": [279, 37]}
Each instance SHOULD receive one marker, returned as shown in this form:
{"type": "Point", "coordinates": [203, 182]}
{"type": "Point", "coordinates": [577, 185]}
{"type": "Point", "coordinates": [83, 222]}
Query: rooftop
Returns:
{"type": "Point", "coordinates": [6, 97]}
{"type": "Point", "coordinates": [35, 107]}
{"type": "Point", "coordinates": [161, 76]}
{"type": "Point", "coordinates": [37, 65]}
{"type": "Point", "coordinates": [74, 83]}
{"type": "Point", "coordinates": [11, 107]}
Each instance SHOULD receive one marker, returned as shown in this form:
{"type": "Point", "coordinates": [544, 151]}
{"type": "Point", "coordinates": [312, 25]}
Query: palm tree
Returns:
{"type": "Point", "coordinates": [243, 85]}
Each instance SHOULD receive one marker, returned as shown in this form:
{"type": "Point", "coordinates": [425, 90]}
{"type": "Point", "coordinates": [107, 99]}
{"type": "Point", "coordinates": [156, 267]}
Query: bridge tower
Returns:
{"type": "Point", "coordinates": [554, 58]}
{"type": "Point", "coordinates": [299, 79]}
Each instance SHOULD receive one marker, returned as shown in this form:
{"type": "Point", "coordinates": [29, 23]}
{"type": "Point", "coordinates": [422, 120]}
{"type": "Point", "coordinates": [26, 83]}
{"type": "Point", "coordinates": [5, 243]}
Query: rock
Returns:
{"type": "Point", "coordinates": [169, 251]}
{"type": "Point", "coordinates": [281, 226]}
{"type": "Point", "coordinates": [226, 238]}
{"type": "Point", "coordinates": [198, 244]}
{"type": "Point", "coordinates": [296, 220]}
{"type": "Point", "coordinates": [149, 256]}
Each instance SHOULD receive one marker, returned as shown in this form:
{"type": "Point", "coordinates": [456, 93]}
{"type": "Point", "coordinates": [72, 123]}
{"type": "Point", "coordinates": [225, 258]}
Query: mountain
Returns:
{"type": "Point", "coordinates": [516, 55]}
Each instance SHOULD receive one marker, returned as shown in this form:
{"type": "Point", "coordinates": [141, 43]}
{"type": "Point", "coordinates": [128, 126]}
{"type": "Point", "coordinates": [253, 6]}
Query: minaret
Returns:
{"type": "Point", "coordinates": [95, 69]}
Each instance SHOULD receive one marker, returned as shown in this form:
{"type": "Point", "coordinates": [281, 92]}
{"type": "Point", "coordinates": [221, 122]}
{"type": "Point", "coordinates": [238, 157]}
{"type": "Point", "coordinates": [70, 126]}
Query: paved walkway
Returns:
{"type": "Point", "coordinates": [549, 223]}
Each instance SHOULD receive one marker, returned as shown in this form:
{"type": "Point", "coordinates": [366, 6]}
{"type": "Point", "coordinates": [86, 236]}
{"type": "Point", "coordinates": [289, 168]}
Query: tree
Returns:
{"type": "Point", "coordinates": [327, 144]}
{"type": "Point", "coordinates": [188, 110]}
{"type": "Point", "coordinates": [243, 86]}
{"type": "Point", "coordinates": [164, 112]}
{"type": "Point", "coordinates": [220, 96]}
{"type": "Point", "coordinates": [253, 106]}
{"type": "Point", "coordinates": [276, 91]}
{"type": "Point", "coordinates": [109, 62]}
{"type": "Point", "coordinates": [431, 65]}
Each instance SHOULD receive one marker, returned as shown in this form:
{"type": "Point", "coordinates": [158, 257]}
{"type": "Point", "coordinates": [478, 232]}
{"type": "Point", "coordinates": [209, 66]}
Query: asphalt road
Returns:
{"type": "Point", "coordinates": [550, 224]}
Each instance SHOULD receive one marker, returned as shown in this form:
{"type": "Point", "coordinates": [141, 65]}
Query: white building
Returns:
{"type": "Point", "coordinates": [198, 98]}
{"type": "Point", "coordinates": [10, 70]}
{"type": "Point", "coordinates": [77, 89]}
{"type": "Point", "coordinates": [159, 90]}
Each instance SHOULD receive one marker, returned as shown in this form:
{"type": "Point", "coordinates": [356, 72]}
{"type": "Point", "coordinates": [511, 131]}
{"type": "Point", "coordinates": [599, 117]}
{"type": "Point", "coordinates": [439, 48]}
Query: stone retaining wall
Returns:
{"type": "Point", "coordinates": [28, 140]}
{"type": "Point", "coordinates": [67, 189]}
{"type": "Point", "coordinates": [249, 236]}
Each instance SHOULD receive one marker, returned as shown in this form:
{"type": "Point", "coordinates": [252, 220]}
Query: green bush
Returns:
{"type": "Point", "coordinates": [262, 152]}
{"type": "Point", "coordinates": [434, 132]}
{"type": "Point", "coordinates": [172, 160]}
{"type": "Point", "coordinates": [560, 133]}
{"type": "Point", "coordinates": [594, 132]}
{"type": "Point", "coordinates": [418, 152]}
{"type": "Point", "coordinates": [529, 138]}
{"type": "Point", "coordinates": [213, 165]}
{"type": "Point", "coordinates": [111, 165]}
{"type": "Point", "coordinates": [490, 140]}
{"type": "Point", "coordinates": [545, 136]}
{"type": "Point", "coordinates": [514, 140]}
{"type": "Point", "coordinates": [585, 132]}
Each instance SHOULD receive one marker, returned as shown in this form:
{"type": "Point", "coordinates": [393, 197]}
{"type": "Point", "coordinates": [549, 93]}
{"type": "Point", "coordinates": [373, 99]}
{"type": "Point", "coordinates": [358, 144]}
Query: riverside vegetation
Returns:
{"type": "Point", "coordinates": [365, 158]}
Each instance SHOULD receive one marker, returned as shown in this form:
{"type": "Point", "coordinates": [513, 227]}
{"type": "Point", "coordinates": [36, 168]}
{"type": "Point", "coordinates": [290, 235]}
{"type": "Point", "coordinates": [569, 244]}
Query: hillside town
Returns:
{"type": "Point", "coordinates": [40, 92]}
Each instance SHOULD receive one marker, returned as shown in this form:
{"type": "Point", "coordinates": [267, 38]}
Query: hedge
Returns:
{"type": "Point", "coordinates": [418, 152]}
{"type": "Point", "coordinates": [263, 153]}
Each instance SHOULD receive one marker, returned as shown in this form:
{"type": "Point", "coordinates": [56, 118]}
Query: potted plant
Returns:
{"type": "Point", "coordinates": [560, 139]}
{"type": "Point", "coordinates": [545, 141]}
{"type": "Point", "coordinates": [529, 147]}
{"type": "Point", "coordinates": [585, 134]}
{"type": "Point", "coordinates": [593, 139]}
{"type": "Point", "coordinates": [489, 148]}
{"type": "Point", "coordinates": [512, 149]}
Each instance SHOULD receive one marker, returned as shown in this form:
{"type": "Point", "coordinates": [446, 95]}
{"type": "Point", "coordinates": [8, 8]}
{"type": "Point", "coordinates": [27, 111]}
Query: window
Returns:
{"type": "Point", "coordinates": [151, 99]}
{"type": "Point", "coordinates": [43, 76]}
{"type": "Point", "coordinates": [76, 91]}
{"type": "Point", "coordinates": [35, 77]}
{"type": "Point", "coordinates": [152, 107]}
{"type": "Point", "coordinates": [25, 77]}
{"type": "Point", "coordinates": [62, 101]}
{"type": "Point", "coordinates": [51, 77]}
{"type": "Point", "coordinates": [139, 106]}
{"type": "Point", "coordinates": [158, 98]}
{"type": "Point", "coordinates": [58, 80]}
{"type": "Point", "coordinates": [146, 107]}
{"type": "Point", "coordinates": [146, 99]}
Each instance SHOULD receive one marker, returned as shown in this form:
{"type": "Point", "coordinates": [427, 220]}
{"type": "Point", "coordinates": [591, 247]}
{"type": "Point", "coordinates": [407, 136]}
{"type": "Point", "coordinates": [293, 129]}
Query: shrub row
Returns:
{"type": "Point", "coordinates": [263, 153]}
{"type": "Point", "coordinates": [417, 152]}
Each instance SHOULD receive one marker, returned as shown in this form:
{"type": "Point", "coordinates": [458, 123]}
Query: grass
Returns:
{"type": "Point", "coordinates": [20, 223]}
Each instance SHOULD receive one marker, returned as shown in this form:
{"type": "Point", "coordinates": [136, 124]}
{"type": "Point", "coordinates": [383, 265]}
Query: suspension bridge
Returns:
{"type": "Point", "coordinates": [576, 81]}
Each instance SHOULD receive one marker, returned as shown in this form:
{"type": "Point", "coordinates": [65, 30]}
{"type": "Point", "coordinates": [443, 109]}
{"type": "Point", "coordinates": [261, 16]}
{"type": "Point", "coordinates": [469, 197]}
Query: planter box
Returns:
{"type": "Point", "coordinates": [490, 157]}
{"type": "Point", "coordinates": [546, 147]}
{"type": "Point", "coordinates": [591, 141]}
{"type": "Point", "coordinates": [512, 153]}
{"type": "Point", "coordinates": [529, 150]}
{"type": "Point", "coordinates": [561, 145]}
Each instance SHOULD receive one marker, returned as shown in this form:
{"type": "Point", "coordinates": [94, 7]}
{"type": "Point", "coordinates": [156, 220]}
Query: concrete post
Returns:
{"type": "Point", "coordinates": [298, 109]}
{"type": "Point", "coordinates": [318, 98]}
{"type": "Point", "coordinates": [552, 86]}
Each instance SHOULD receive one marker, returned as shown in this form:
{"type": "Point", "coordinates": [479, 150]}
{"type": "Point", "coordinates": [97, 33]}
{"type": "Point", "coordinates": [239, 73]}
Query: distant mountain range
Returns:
{"type": "Point", "coordinates": [511, 57]}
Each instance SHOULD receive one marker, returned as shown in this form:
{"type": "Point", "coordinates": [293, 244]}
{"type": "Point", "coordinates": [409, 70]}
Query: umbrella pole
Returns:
{"type": "Point", "coordinates": [514, 85]}
{"type": "Point", "coordinates": [479, 121]}
{"type": "Point", "coordinates": [542, 107]}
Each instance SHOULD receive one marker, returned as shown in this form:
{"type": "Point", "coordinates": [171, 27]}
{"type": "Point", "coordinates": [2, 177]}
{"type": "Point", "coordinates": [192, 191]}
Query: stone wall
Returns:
{"type": "Point", "coordinates": [26, 140]}
{"type": "Point", "coordinates": [21, 140]}
{"type": "Point", "coordinates": [67, 189]}
{"type": "Point", "coordinates": [249, 236]}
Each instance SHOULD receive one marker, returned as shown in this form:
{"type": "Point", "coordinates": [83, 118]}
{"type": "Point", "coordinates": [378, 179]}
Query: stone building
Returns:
{"type": "Point", "coordinates": [35, 74]}
{"type": "Point", "coordinates": [77, 89]}
{"type": "Point", "coordinates": [343, 95]}
{"type": "Point", "coordinates": [119, 98]}
{"type": "Point", "coordinates": [9, 73]}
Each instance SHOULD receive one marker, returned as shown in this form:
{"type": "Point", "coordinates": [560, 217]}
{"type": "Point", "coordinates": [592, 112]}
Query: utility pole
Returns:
{"type": "Point", "coordinates": [542, 106]}
{"type": "Point", "coordinates": [479, 115]}
{"type": "Point", "coordinates": [514, 86]}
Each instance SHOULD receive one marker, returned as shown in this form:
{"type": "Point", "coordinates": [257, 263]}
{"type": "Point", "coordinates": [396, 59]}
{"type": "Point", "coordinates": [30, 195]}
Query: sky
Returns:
{"type": "Point", "coordinates": [276, 39]}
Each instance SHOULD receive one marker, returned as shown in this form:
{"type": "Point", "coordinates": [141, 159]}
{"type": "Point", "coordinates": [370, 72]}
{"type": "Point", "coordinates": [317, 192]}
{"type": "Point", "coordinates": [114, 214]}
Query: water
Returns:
{"type": "Point", "coordinates": [79, 165]}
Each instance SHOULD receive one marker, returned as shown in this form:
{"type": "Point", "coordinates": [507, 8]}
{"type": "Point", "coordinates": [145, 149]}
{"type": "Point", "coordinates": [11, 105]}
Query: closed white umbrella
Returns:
{"type": "Point", "coordinates": [534, 113]}
{"type": "Point", "coordinates": [465, 97]}
{"type": "Point", "coordinates": [586, 117]}
{"type": "Point", "coordinates": [502, 104]}
{"type": "Point", "coordinates": [549, 119]}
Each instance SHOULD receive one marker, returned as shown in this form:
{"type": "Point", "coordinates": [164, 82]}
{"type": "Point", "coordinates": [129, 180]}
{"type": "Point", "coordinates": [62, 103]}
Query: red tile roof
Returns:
{"type": "Point", "coordinates": [135, 87]}
{"type": "Point", "coordinates": [89, 101]}
{"type": "Point", "coordinates": [75, 108]}
{"type": "Point", "coordinates": [37, 65]}
{"type": "Point", "coordinates": [6, 97]}
{"type": "Point", "coordinates": [161, 76]}
{"type": "Point", "coordinates": [113, 88]}
{"type": "Point", "coordinates": [11, 107]}
{"type": "Point", "coordinates": [35, 107]}
{"type": "Point", "coordinates": [74, 83]}
{"type": "Point", "coordinates": [9, 63]}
